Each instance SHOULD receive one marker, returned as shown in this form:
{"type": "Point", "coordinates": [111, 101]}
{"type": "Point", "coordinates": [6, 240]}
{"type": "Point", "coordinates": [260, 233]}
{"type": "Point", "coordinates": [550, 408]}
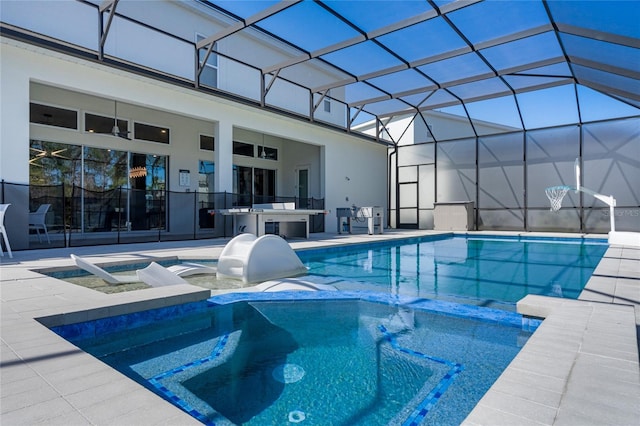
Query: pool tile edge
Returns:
{"type": "Point", "coordinates": [160, 297]}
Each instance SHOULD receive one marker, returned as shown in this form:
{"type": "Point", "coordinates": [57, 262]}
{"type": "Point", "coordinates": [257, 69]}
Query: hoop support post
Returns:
{"type": "Point", "coordinates": [608, 199]}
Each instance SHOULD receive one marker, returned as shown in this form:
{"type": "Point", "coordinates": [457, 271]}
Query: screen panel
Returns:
{"type": "Point", "coordinates": [501, 172]}
{"type": "Point", "coordinates": [456, 171]}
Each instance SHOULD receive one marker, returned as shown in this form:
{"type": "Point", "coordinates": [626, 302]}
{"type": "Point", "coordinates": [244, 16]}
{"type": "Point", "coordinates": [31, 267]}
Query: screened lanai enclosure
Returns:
{"type": "Point", "coordinates": [485, 102]}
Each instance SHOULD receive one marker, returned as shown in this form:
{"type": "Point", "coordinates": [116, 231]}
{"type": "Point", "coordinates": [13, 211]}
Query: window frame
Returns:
{"type": "Point", "coordinates": [123, 121]}
{"type": "Point", "coordinates": [247, 144]}
{"type": "Point", "coordinates": [50, 105]}
{"type": "Point", "coordinates": [200, 136]}
{"type": "Point", "coordinates": [142, 123]}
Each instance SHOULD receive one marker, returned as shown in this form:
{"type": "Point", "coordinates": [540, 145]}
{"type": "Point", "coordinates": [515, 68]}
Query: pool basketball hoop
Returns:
{"type": "Point", "coordinates": [555, 195]}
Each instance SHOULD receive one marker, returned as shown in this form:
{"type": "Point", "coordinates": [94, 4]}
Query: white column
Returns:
{"type": "Point", "coordinates": [14, 116]}
{"type": "Point", "coordinates": [14, 142]}
{"type": "Point", "coordinates": [224, 157]}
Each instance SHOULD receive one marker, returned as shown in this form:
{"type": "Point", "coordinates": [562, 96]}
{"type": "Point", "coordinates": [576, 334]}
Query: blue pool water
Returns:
{"type": "Point", "coordinates": [485, 271]}
{"type": "Point", "coordinates": [329, 358]}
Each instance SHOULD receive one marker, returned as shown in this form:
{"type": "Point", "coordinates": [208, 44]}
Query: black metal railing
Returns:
{"type": "Point", "coordinates": [80, 217]}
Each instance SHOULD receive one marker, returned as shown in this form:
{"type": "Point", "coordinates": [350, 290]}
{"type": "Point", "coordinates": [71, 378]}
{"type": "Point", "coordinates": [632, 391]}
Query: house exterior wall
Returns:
{"type": "Point", "coordinates": [336, 154]}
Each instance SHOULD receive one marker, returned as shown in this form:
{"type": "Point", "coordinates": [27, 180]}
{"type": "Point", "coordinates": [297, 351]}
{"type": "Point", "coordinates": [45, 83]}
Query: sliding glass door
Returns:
{"type": "Point", "coordinates": [107, 189]}
{"type": "Point", "coordinates": [254, 185]}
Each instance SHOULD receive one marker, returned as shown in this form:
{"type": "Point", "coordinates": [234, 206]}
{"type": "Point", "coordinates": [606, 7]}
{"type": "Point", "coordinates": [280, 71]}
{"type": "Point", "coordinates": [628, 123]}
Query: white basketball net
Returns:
{"type": "Point", "coordinates": [555, 195]}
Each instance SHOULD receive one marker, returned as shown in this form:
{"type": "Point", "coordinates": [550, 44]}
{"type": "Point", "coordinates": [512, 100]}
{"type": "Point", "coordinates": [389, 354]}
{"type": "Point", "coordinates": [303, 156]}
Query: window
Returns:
{"type": "Point", "coordinates": [267, 153]}
{"type": "Point", "coordinates": [264, 187]}
{"type": "Point", "coordinates": [242, 184]}
{"type": "Point", "coordinates": [53, 163]}
{"type": "Point", "coordinates": [147, 132]}
{"type": "Point", "coordinates": [206, 173]}
{"type": "Point", "coordinates": [148, 181]}
{"type": "Point", "coordinates": [244, 149]}
{"type": "Point", "coordinates": [253, 185]}
{"type": "Point", "coordinates": [327, 102]}
{"type": "Point", "coordinates": [207, 143]}
{"type": "Point", "coordinates": [104, 169]}
{"type": "Point", "coordinates": [148, 171]}
{"type": "Point", "coordinates": [111, 189]}
{"type": "Point", "coordinates": [206, 196]}
{"type": "Point", "coordinates": [103, 125]}
{"type": "Point", "coordinates": [209, 75]}
{"type": "Point", "coordinates": [53, 116]}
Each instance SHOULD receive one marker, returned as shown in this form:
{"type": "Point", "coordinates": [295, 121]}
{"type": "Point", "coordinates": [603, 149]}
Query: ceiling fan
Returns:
{"type": "Point", "coordinates": [115, 130]}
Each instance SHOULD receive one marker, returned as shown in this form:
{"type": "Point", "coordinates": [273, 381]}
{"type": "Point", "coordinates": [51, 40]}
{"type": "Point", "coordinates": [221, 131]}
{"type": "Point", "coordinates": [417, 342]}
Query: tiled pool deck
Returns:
{"type": "Point", "coordinates": [580, 367]}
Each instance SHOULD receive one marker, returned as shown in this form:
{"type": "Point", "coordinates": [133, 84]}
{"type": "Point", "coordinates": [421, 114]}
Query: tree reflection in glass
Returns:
{"type": "Point", "coordinates": [147, 179]}
{"type": "Point", "coordinates": [53, 163]}
{"type": "Point", "coordinates": [104, 169]}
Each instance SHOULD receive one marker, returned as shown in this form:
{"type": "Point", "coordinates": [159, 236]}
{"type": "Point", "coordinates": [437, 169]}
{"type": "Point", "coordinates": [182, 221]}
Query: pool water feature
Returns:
{"type": "Point", "coordinates": [259, 358]}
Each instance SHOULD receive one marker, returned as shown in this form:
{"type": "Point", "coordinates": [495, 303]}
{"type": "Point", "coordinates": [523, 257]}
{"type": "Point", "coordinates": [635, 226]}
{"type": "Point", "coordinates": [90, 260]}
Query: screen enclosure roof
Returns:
{"type": "Point", "coordinates": [504, 62]}
{"type": "Point", "coordinates": [398, 57]}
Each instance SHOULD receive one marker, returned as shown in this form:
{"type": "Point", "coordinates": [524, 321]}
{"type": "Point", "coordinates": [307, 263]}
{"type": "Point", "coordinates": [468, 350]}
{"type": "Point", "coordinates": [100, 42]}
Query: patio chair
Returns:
{"type": "Point", "coordinates": [37, 220]}
{"type": "Point", "coordinates": [99, 272]}
{"type": "Point", "coordinates": [3, 231]}
{"type": "Point", "coordinates": [181, 270]}
{"type": "Point", "coordinates": [158, 276]}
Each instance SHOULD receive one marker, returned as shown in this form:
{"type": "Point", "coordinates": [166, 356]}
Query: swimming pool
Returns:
{"type": "Point", "coordinates": [485, 271]}
{"type": "Point", "coordinates": [348, 358]}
